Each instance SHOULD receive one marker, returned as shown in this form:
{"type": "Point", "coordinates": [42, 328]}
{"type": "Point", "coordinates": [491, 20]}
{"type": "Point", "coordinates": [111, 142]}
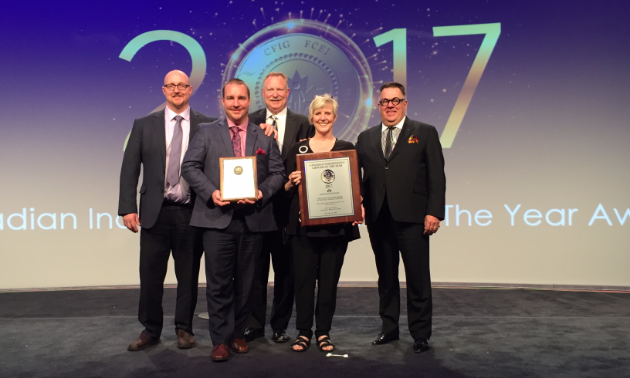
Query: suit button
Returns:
{"type": "Point", "coordinates": [383, 185]}
{"type": "Point", "coordinates": [386, 167]}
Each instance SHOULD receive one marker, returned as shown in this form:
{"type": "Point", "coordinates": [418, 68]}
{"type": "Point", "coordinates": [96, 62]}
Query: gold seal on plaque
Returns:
{"type": "Point", "coordinates": [238, 170]}
{"type": "Point", "coordinates": [328, 176]}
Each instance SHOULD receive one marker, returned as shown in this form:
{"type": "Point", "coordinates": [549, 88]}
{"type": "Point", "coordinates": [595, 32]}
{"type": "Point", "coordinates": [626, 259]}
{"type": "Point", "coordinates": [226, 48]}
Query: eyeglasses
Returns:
{"type": "Point", "coordinates": [395, 101]}
{"type": "Point", "coordinates": [181, 87]}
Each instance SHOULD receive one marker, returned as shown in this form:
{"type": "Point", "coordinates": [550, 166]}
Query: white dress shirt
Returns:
{"type": "Point", "coordinates": [281, 122]}
{"type": "Point", "coordinates": [181, 192]}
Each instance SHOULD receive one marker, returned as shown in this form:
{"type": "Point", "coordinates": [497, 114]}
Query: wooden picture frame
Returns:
{"type": "Point", "coordinates": [334, 205]}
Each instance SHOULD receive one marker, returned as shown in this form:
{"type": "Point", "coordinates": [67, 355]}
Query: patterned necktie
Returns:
{"type": "Point", "coordinates": [172, 171]}
{"type": "Point", "coordinates": [388, 141]}
{"type": "Point", "coordinates": [236, 141]}
{"type": "Point", "coordinates": [274, 121]}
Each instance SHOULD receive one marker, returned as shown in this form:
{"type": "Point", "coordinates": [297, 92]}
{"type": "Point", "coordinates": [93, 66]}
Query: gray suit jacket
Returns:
{"type": "Point", "coordinates": [201, 169]}
{"type": "Point", "coordinates": [147, 148]}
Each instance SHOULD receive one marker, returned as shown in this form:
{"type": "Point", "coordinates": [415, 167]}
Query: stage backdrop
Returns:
{"type": "Point", "coordinates": [530, 99]}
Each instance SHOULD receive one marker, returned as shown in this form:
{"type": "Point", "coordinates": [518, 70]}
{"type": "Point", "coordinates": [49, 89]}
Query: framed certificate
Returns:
{"type": "Point", "coordinates": [330, 191]}
{"type": "Point", "coordinates": [239, 179]}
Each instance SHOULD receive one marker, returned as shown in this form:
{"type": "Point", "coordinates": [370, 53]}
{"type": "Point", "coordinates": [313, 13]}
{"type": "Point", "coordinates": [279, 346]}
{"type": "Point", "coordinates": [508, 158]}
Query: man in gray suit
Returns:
{"type": "Point", "coordinates": [157, 144]}
{"type": "Point", "coordinates": [231, 231]}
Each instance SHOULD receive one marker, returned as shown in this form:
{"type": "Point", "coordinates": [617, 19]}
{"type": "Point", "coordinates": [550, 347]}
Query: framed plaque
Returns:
{"type": "Point", "coordinates": [239, 179]}
{"type": "Point", "coordinates": [329, 191]}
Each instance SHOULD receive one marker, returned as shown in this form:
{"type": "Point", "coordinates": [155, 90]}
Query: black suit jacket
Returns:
{"type": "Point", "coordinates": [147, 148]}
{"type": "Point", "coordinates": [298, 127]}
{"type": "Point", "coordinates": [412, 178]}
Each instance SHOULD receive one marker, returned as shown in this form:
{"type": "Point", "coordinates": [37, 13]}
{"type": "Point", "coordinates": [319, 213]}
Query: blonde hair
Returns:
{"type": "Point", "coordinates": [321, 101]}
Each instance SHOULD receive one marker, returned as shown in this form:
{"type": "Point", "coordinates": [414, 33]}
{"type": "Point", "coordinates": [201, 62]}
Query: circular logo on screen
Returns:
{"type": "Point", "coordinates": [328, 176]}
{"type": "Point", "coordinates": [317, 59]}
{"type": "Point", "coordinates": [238, 170]}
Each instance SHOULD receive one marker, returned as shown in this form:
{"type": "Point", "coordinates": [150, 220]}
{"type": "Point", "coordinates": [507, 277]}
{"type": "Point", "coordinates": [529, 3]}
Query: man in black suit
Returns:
{"type": "Point", "coordinates": [291, 128]}
{"type": "Point", "coordinates": [157, 144]}
{"type": "Point", "coordinates": [231, 231]}
{"type": "Point", "coordinates": [404, 188]}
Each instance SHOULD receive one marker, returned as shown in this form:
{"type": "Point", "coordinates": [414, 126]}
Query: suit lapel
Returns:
{"type": "Point", "coordinates": [404, 134]}
{"type": "Point", "coordinates": [160, 135]}
{"type": "Point", "coordinates": [252, 135]}
{"type": "Point", "coordinates": [194, 124]}
{"type": "Point", "coordinates": [376, 140]}
{"type": "Point", "coordinates": [259, 116]}
{"type": "Point", "coordinates": [224, 131]}
{"type": "Point", "coordinates": [290, 128]}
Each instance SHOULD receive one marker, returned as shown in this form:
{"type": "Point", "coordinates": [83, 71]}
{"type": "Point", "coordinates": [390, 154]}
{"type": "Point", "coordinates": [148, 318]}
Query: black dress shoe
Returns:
{"type": "Point", "coordinates": [252, 334]}
{"type": "Point", "coordinates": [384, 338]}
{"type": "Point", "coordinates": [421, 345]}
{"type": "Point", "coordinates": [280, 336]}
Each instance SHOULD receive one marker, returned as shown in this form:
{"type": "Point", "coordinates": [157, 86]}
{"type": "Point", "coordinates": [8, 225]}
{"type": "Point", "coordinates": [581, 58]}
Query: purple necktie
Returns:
{"type": "Point", "coordinates": [172, 172]}
{"type": "Point", "coordinates": [236, 141]}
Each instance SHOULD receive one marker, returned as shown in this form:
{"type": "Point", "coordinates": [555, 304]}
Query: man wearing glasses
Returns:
{"type": "Point", "coordinates": [157, 144]}
{"type": "Point", "coordinates": [403, 189]}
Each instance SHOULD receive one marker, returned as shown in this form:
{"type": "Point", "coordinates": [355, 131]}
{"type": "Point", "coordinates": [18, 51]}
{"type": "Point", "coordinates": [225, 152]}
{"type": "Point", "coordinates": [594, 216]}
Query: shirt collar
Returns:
{"type": "Point", "coordinates": [399, 125]}
{"type": "Point", "coordinates": [242, 127]}
{"type": "Point", "coordinates": [171, 114]}
{"type": "Point", "coordinates": [283, 113]}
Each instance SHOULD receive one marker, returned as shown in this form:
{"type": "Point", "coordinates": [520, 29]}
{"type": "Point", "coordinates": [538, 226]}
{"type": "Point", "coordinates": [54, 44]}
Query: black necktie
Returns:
{"type": "Point", "coordinates": [389, 140]}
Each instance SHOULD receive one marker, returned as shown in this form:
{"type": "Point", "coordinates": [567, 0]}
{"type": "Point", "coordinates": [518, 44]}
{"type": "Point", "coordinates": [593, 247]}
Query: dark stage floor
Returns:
{"type": "Point", "coordinates": [477, 333]}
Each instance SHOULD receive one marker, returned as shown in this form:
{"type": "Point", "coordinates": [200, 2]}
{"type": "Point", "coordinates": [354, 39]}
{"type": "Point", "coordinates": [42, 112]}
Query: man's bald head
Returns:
{"type": "Point", "coordinates": [176, 75]}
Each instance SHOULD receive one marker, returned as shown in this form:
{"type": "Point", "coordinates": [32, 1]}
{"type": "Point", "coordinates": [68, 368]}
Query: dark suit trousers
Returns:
{"type": "Point", "coordinates": [280, 253]}
{"type": "Point", "coordinates": [171, 232]}
{"type": "Point", "coordinates": [230, 263]}
{"type": "Point", "coordinates": [388, 237]}
{"type": "Point", "coordinates": [316, 260]}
